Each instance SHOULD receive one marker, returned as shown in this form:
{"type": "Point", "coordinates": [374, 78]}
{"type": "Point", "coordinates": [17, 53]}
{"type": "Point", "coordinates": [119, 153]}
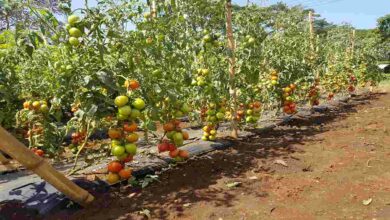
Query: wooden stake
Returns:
{"type": "Point", "coordinates": [11, 146]}
{"type": "Point", "coordinates": [232, 64]}
{"type": "Point", "coordinates": [3, 159]}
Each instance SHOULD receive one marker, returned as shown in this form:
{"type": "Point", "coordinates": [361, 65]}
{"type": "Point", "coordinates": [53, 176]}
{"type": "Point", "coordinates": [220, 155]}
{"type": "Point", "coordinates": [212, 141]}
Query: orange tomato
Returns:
{"type": "Point", "coordinates": [114, 133]}
{"type": "Point", "coordinates": [168, 127]}
{"type": "Point", "coordinates": [183, 154]}
{"type": "Point", "coordinates": [174, 153]}
{"type": "Point", "coordinates": [130, 127]}
{"type": "Point", "coordinates": [125, 173]}
{"type": "Point", "coordinates": [186, 136]}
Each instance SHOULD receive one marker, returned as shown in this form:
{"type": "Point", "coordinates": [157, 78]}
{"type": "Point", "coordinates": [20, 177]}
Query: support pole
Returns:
{"type": "Point", "coordinates": [232, 64]}
{"type": "Point", "coordinates": [11, 146]}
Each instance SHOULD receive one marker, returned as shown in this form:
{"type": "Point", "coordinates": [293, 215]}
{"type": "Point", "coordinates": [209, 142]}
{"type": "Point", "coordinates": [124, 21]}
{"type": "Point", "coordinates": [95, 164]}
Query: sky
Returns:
{"type": "Point", "coordinates": [362, 14]}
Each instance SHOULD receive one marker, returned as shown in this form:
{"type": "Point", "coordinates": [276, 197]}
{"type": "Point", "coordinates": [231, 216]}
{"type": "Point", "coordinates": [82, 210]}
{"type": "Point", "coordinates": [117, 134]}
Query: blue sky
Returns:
{"type": "Point", "coordinates": [361, 14]}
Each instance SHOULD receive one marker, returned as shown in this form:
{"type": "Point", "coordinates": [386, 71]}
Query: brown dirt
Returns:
{"type": "Point", "coordinates": [335, 161]}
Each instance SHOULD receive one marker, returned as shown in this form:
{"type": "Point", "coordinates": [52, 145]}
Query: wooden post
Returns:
{"type": "Point", "coordinates": [153, 9]}
{"type": "Point", "coordinates": [11, 146]}
{"type": "Point", "coordinates": [232, 64]}
{"type": "Point", "coordinates": [353, 43]}
{"type": "Point", "coordinates": [311, 31]}
{"type": "Point", "coordinates": [3, 160]}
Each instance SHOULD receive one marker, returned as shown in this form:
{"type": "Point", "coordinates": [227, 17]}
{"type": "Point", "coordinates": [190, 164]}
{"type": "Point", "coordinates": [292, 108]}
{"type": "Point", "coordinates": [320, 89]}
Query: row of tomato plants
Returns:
{"type": "Point", "coordinates": [95, 72]}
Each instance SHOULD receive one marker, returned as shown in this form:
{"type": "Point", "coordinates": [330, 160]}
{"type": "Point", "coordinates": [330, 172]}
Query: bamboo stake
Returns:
{"type": "Point", "coordinates": [232, 64]}
{"type": "Point", "coordinates": [3, 160]}
{"type": "Point", "coordinates": [153, 9]}
{"type": "Point", "coordinates": [11, 146]}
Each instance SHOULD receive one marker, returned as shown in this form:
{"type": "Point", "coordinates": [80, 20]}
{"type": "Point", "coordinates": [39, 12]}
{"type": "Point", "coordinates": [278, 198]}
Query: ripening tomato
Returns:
{"type": "Point", "coordinates": [133, 84]}
{"type": "Point", "coordinates": [132, 137]}
{"type": "Point", "coordinates": [168, 127]}
{"type": "Point", "coordinates": [125, 173]}
{"type": "Point", "coordinates": [184, 154]}
{"type": "Point", "coordinates": [39, 152]}
{"type": "Point", "coordinates": [174, 153]}
{"type": "Point", "coordinates": [114, 133]}
{"type": "Point", "coordinates": [256, 104]}
{"type": "Point", "coordinates": [27, 104]}
{"type": "Point", "coordinates": [113, 178]}
{"type": "Point", "coordinates": [114, 167]}
{"type": "Point", "coordinates": [36, 105]}
{"type": "Point", "coordinates": [186, 136]}
{"type": "Point", "coordinates": [129, 158]}
{"type": "Point", "coordinates": [130, 127]}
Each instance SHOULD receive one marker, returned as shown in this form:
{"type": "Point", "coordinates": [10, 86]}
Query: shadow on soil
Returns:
{"type": "Point", "coordinates": [195, 180]}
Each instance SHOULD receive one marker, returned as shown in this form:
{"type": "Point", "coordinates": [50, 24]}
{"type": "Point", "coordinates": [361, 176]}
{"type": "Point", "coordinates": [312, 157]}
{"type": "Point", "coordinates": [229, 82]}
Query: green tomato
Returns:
{"type": "Point", "coordinates": [115, 143]}
{"type": "Point", "coordinates": [122, 157]}
{"type": "Point", "coordinates": [213, 119]}
{"type": "Point", "coordinates": [75, 32]}
{"type": "Point", "coordinates": [205, 72]}
{"type": "Point", "coordinates": [274, 82]}
{"type": "Point", "coordinates": [131, 149]}
{"type": "Point", "coordinates": [249, 112]}
{"type": "Point", "coordinates": [201, 83]}
{"type": "Point", "coordinates": [212, 137]}
{"type": "Point", "coordinates": [44, 108]}
{"type": "Point", "coordinates": [248, 119]}
{"type": "Point", "coordinates": [68, 26]}
{"type": "Point", "coordinates": [121, 100]}
{"type": "Point", "coordinates": [179, 114]}
{"type": "Point", "coordinates": [178, 136]}
{"type": "Point", "coordinates": [73, 19]}
{"type": "Point", "coordinates": [213, 132]}
{"type": "Point", "coordinates": [125, 110]}
{"type": "Point", "coordinates": [207, 38]}
{"type": "Point", "coordinates": [121, 117]}
{"type": "Point", "coordinates": [210, 112]}
{"type": "Point", "coordinates": [139, 104]}
{"type": "Point", "coordinates": [74, 41]}
{"type": "Point", "coordinates": [135, 113]}
{"type": "Point", "coordinates": [251, 40]}
{"type": "Point", "coordinates": [171, 134]}
{"type": "Point", "coordinates": [205, 138]}
{"type": "Point", "coordinates": [185, 108]}
{"type": "Point", "coordinates": [118, 151]}
{"type": "Point", "coordinates": [220, 115]}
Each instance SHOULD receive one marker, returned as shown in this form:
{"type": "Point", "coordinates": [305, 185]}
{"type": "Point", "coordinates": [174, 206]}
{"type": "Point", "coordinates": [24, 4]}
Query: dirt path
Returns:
{"type": "Point", "coordinates": [334, 163]}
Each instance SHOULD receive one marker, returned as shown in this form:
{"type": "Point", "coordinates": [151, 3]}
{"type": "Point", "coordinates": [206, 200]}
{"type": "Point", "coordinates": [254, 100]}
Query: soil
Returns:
{"type": "Point", "coordinates": [333, 166]}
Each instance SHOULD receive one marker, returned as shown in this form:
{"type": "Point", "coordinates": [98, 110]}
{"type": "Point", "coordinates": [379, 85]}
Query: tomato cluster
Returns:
{"type": "Point", "coordinates": [123, 136]}
{"type": "Point", "coordinates": [36, 106]}
{"type": "Point", "coordinates": [176, 137]}
{"type": "Point", "coordinates": [352, 83]}
{"type": "Point", "coordinates": [117, 171]}
{"type": "Point", "coordinates": [74, 30]}
{"type": "Point", "coordinates": [201, 77]}
{"type": "Point", "coordinates": [253, 112]}
{"type": "Point", "coordinates": [214, 114]}
{"type": "Point", "coordinates": [314, 94]}
{"type": "Point", "coordinates": [289, 106]}
{"type": "Point", "coordinates": [274, 79]}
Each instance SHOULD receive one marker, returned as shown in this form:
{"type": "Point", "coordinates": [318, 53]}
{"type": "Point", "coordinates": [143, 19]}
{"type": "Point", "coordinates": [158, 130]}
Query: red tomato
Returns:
{"type": "Point", "coordinates": [174, 153]}
{"type": "Point", "coordinates": [162, 147]}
